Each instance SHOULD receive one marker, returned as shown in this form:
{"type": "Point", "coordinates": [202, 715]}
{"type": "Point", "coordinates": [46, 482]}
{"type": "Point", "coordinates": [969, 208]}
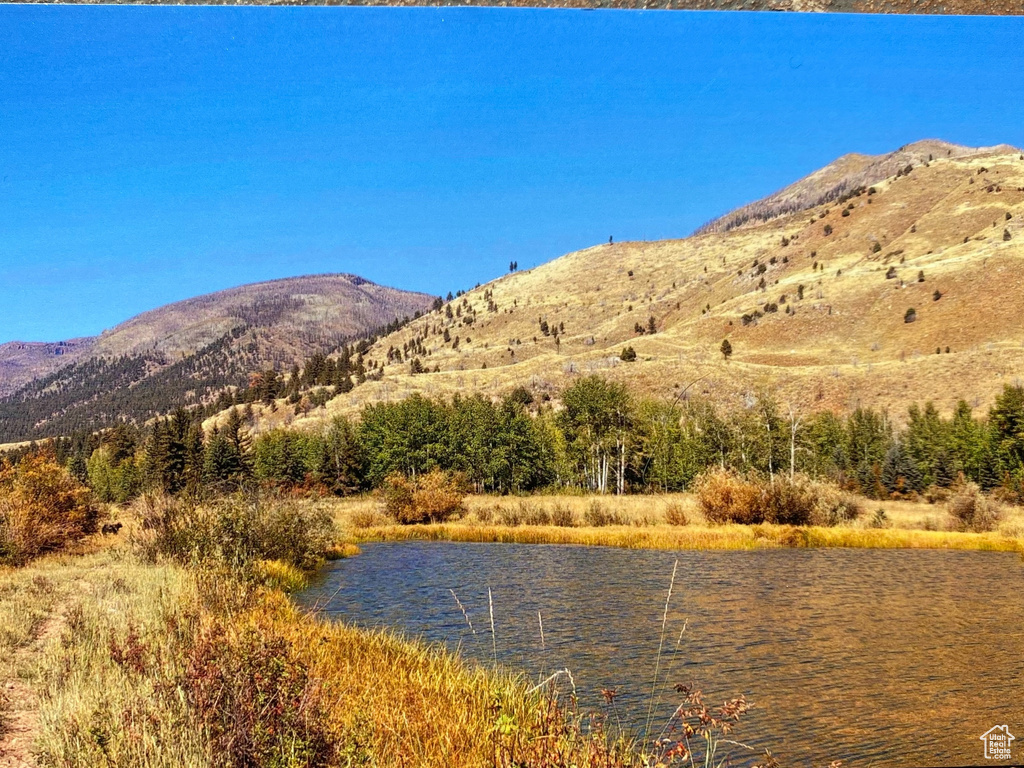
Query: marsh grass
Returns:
{"type": "Point", "coordinates": [159, 665]}
{"type": "Point", "coordinates": [174, 660]}
{"type": "Point", "coordinates": [732, 536]}
{"type": "Point", "coordinates": [675, 521]}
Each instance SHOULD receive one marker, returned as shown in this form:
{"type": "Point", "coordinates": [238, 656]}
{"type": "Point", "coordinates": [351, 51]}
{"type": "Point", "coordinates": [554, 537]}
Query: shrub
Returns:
{"type": "Point", "coordinates": [910, 315]}
{"type": "Point", "coordinates": [508, 516]}
{"type": "Point", "coordinates": [833, 506]}
{"type": "Point", "coordinates": [971, 510]}
{"type": "Point", "coordinates": [936, 494]}
{"type": "Point", "coordinates": [675, 514]}
{"type": "Point", "coordinates": [42, 508]}
{"type": "Point", "coordinates": [725, 497]}
{"type": "Point", "coordinates": [533, 514]}
{"type": "Point", "coordinates": [431, 498]}
{"type": "Point", "coordinates": [256, 697]}
{"type": "Point", "coordinates": [597, 515]}
{"type": "Point", "coordinates": [396, 494]}
{"type": "Point", "coordinates": [787, 502]}
{"type": "Point", "coordinates": [628, 354]}
{"type": "Point", "coordinates": [438, 496]}
{"type": "Point", "coordinates": [367, 518]}
{"type": "Point", "coordinates": [563, 516]}
{"type": "Point", "coordinates": [236, 531]}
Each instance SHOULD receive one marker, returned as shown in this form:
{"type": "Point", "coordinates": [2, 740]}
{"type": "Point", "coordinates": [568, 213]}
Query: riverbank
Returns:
{"type": "Point", "coordinates": [109, 660]}
{"type": "Point", "coordinates": [697, 537]}
{"type": "Point", "coordinates": [643, 522]}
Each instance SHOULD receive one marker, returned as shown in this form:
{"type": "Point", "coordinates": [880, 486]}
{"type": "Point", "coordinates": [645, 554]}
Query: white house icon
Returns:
{"type": "Point", "coordinates": [997, 742]}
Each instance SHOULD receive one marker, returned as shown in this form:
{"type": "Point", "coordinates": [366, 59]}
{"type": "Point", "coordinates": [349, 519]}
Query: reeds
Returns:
{"type": "Point", "coordinates": [763, 536]}
{"type": "Point", "coordinates": [162, 665]}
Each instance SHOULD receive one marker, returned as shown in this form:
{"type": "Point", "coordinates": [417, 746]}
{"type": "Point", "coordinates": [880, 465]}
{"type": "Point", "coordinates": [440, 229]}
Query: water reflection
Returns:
{"type": "Point", "coordinates": [875, 657]}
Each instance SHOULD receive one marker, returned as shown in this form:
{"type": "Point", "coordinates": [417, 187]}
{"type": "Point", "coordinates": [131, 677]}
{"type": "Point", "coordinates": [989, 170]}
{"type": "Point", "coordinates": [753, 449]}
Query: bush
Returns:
{"type": "Point", "coordinates": [256, 697]}
{"type": "Point", "coordinates": [237, 531]}
{"type": "Point", "coordinates": [971, 510]}
{"type": "Point", "coordinates": [832, 506]}
{"type": "Point", "coordinates": [508, 516]}
{"type": "Point", "coordinates": [42, 508]}
{"type": "Point", "coordinates": [675, 514]}
{"type": "Point", "coordinates": [787, 502]}
{"type": "Point", "coordinates": [368, 518]}
{"type": "Point", "coordinates": [725, 497]}
{"type": "Point", "coordinates": [936, 494]}
{"type": "Point", "coordinates": [597, 515]}
{"type": "Point", "coordinates": [563, 516]}
{"type": "Point", "coordinates": [431, 498]}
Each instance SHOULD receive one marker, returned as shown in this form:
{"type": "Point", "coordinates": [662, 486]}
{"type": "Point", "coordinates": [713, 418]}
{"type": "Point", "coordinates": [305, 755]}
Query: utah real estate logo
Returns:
{"type": "Point", "coordinates": [997, 742]}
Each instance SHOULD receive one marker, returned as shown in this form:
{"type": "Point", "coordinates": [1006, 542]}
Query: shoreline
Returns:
{"type": "Point", "coordinates": [694, 537]}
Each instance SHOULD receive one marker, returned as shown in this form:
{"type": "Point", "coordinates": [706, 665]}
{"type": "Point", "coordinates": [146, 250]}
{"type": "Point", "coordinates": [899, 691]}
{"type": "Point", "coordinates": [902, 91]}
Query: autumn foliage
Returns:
{"type": "Point", "coordinates": [42, 508]}
{"type": "Point", "coordinates": [430, 498]}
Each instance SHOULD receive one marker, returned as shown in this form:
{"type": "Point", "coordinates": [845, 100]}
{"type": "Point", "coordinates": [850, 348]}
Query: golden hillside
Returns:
{"type": "Point", "coordinates": [957, 218]}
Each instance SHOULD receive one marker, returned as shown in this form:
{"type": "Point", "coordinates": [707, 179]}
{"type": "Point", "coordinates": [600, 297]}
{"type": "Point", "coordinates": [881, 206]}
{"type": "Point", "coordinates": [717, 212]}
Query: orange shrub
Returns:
{"type": "Point", "coordinates": [430, 498]}
{"type": "Point", "coordinates": [725, 497]}
{"type": "Point", "coordinates": [42, 508]}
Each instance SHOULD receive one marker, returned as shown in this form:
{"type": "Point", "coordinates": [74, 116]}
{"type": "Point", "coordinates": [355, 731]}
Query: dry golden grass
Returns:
{"type": "Point", "coordinates": [847, 342]}
{"type": "Point", "coordinates": [643, 525]}
{"type": "Point", "coordinates": [160, 666]}
{"type": "Point", "coordinates": [701, 537]}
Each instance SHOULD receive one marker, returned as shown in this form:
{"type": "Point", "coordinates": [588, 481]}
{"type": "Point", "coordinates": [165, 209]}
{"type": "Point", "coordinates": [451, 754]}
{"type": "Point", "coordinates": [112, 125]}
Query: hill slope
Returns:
{"type": "Point", "coordinates": [180, 353]}
{"type": "Point", "coordinates": [813, 302]}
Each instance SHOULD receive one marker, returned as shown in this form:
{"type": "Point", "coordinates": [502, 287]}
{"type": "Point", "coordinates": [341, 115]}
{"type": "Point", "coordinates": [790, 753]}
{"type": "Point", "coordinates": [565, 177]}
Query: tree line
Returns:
{"type": "Point", "coordinates": [602, 439]}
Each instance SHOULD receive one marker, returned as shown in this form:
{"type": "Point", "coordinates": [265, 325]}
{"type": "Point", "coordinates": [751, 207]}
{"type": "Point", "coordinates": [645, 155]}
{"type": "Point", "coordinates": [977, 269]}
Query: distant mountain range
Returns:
{"type": "Point", "coordinates": [877, 281]}
{"type": "Point", "coordinates": [184, 352]}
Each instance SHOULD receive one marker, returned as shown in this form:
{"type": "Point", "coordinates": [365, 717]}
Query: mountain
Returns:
{"type": "Point", "coordinates": [838, 178]}
{"type": "Point", "coordinates": [184, 352]}
{"type": "Point", "coordinates": [813, 287]}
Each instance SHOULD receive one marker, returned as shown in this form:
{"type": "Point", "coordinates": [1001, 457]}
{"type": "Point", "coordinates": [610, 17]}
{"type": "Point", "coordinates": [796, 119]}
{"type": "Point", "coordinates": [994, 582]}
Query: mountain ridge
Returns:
{"type": "Point", "coordinates": [815, 302]}
{"type": "Point", "coordinates": [185, 352]}
{"type": "Point", "coordinates": [845, 173]}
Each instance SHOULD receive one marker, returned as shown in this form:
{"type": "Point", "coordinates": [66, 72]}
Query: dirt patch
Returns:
{"type": "Point", "coordinates": [19, 702]}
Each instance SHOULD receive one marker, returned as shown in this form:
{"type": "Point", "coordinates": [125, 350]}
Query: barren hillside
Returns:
{"type": "Point", "coordinates": [814, 303]}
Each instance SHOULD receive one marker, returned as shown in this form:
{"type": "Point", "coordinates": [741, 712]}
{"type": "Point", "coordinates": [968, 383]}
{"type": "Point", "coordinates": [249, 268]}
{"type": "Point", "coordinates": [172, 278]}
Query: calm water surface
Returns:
{"type": "Point", "coordinates": [875, 657]}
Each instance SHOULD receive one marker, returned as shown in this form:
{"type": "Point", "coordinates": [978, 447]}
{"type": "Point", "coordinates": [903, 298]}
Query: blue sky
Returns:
{"type": "Point", "coordinates": [152, 154]}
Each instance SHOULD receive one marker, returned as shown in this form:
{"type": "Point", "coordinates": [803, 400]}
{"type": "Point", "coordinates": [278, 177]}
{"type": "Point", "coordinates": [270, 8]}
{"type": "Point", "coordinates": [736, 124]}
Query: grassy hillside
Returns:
{"type": "Point", "coordinates": [814, 302]}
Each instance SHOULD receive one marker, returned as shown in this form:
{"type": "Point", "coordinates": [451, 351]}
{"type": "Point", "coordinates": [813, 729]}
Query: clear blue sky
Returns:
{"type": "Point", "coordinates": [152, 154]}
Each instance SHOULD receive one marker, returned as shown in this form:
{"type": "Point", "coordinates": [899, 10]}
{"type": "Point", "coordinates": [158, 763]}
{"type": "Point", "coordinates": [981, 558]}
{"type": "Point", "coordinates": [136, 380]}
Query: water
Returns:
{"type": "Point", "coordinates": [875, 657]}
